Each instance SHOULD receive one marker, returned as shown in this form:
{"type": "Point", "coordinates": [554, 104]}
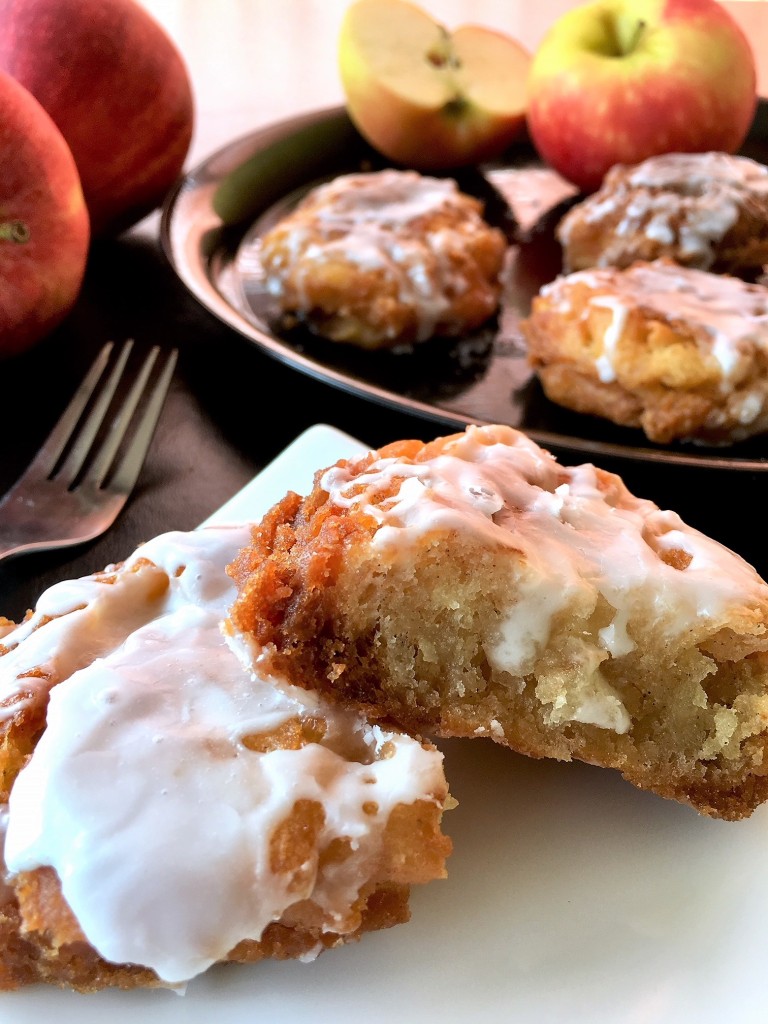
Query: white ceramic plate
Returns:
{"type": "Point", "coordinates": [572, 898]}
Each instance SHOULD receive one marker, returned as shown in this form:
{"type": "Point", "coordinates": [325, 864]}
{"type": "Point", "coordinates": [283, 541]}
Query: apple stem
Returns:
{"type": "Point", "coordinates": [14, 231]}
{"type": "Point", "coordinates": [639, 29]}
{"type": "Point", "coordinates": [627, 35]}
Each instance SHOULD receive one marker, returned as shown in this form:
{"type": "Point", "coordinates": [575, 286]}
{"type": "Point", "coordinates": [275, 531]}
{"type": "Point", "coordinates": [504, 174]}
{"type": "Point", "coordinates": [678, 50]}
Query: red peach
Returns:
{"type": "Point", "coordinates": [44, 230]}
{"type": "Point", "coordinates": [117, 87]}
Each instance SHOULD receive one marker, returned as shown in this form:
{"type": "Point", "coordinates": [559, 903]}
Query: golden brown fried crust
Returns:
{"type": "Point", "coordinates": [45, 945]}
{"type": "Point", "coordinates": [41, 941]}
{"type": "Point", "coordinates": [285, 601]}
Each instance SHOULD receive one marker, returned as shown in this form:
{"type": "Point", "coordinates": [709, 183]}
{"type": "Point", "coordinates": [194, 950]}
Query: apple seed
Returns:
{"type": "Point", "coordinates": [443, 55]}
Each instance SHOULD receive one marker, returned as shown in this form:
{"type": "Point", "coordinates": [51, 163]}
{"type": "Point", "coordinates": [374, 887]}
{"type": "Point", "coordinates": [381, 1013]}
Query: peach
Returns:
{"type": "Point", "coordinates": [44, 228]}
{"type": "Point", "coordinates": [117, 88]}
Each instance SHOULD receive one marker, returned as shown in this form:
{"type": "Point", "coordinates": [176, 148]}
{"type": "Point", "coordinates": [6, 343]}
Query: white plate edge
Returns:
{"type": "Point", "coordinates": [292, 470]}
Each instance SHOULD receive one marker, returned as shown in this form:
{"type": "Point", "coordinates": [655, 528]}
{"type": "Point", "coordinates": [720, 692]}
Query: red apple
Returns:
{"type": "Point", "coordinates": [426, 97]}
{"type": "Point", "coordinates": [116, 86]}
{"type": "Point", "coordinates": [44, 231]}
{"type": "Point", "coordinates": [616, 82]}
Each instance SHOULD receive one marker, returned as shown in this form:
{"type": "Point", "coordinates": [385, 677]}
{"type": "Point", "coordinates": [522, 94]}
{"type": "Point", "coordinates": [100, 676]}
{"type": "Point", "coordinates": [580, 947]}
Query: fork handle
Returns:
{"type": "Point", "coordinates": [9, 548]}
{"type": "Point", "coordinates": [11, 545]}
{"type": "Point", "coordinates": [16, 525]}
{"type": "Point", "coordinates": [20, 531]}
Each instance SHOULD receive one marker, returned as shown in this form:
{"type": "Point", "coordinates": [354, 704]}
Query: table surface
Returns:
{"type": "Point", "coordinates": [232, 408]}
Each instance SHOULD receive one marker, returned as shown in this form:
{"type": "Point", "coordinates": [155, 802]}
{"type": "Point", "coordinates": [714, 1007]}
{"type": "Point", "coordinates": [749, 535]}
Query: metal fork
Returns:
{"type": "Point", "coordinates": [80, 478]}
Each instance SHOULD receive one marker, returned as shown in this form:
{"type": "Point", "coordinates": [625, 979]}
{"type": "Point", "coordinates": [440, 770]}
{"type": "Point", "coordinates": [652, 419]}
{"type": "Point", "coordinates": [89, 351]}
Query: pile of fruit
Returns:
{"type": "Point", "coordinates": [96, 118]}
{"type": "Point", "coordinates": [613, 81]}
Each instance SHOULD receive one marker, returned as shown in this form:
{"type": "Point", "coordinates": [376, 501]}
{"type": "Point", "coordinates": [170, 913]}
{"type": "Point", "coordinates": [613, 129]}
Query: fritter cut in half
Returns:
{"type": "Point", "coordinates": [475, 587]}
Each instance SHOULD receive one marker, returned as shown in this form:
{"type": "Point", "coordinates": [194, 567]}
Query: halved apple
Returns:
{"type": "Point", "coordinates": [425, 97]}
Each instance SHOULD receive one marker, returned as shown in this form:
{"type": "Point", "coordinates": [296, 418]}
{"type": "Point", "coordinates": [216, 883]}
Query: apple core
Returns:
{"type": "Point", "coordinates": [14, 231]}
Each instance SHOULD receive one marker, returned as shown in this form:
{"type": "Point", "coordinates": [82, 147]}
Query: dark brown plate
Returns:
{"type": "Point", "coordinates": [213, 219]}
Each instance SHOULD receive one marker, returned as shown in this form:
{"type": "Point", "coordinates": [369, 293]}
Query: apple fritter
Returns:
{"type": "Point", "coordinates": [475, 587]}
{"type": "Point", "coordinates": [708, 211]}
{"type": "Point", "coordinates": [166, 808]}
{"type": "Point", "coordinates": [680, 353]}
{"type": "Point", "coordinates": [385, 259]}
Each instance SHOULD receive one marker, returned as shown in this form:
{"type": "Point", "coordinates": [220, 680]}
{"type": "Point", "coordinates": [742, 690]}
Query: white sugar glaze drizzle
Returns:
{"type": "Point", "coordinates": [727, 317]}
{"type": "Point", "coordinates": [365, 219]}
{"type": "Point", "coordinates": [698, 173]}
{"type": "Point", "coordinates": [577, 538]}
{"type": "Point", "coordinates": [690, 200]}
{"type": "Point", "coordinates": [141, 794]}
{"type": "Point", "coordinates": [604, 361]}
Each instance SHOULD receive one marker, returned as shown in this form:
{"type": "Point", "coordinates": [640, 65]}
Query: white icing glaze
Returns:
{"type": "Point", "coordinates": [698, 173]}
{"type": "Point", "coordinates": [727, 317]}
{"type": "Point", "coordinates": [574, 540]}
{"type": "Point", "coordinates": [364, 219]}
{"type": "Point", "coordinates": [382, 200]}
{"type": "Point", "coordinates": [687, 200]}
{"type": "Point", "coordinates": [619, 311]}
{"type": "Point", "coordinates": [141, 793]}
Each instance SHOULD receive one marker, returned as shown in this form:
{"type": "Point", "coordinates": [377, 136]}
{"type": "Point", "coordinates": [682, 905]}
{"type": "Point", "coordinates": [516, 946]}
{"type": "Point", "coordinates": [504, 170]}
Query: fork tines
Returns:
{"type": "Point", "coordinates": [84, 446]}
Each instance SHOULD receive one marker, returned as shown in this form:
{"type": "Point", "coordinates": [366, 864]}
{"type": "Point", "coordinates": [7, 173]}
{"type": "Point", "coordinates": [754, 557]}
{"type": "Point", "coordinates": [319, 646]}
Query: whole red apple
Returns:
{"type": "Point", "coordinates": [118, 89]}
{"type": "Point", "coordinates": [44, 230]}
{"type": "Point", "coordinates": [616, 81]}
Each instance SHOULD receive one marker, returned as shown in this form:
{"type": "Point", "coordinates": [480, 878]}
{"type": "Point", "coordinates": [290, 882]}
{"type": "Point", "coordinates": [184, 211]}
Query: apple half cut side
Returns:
{"type": "Point", "coordinates": [428, 98]}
